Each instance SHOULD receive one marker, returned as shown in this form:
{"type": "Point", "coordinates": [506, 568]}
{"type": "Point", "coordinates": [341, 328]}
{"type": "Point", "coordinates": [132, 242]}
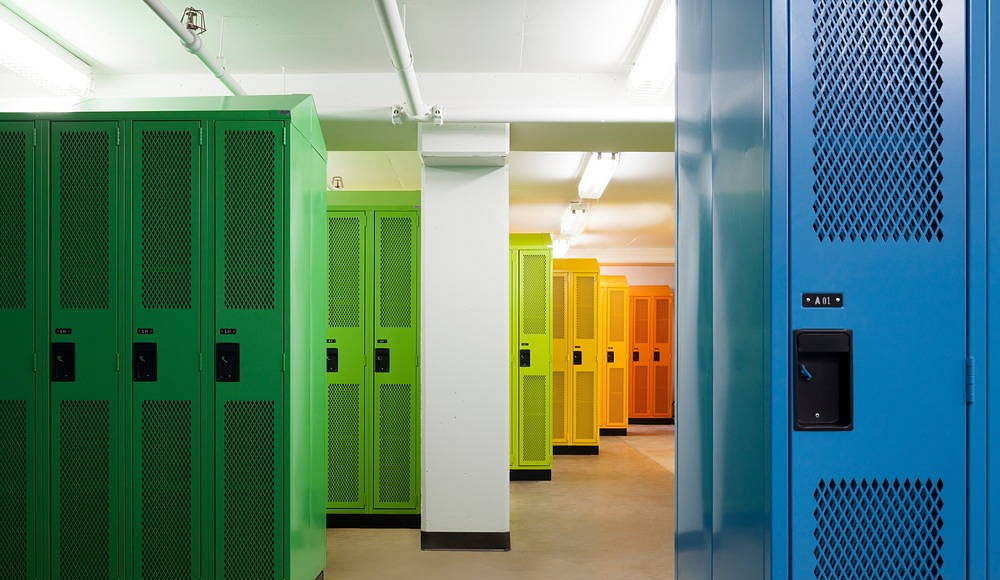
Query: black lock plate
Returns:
{"type": "Point", "coordinates": [823, 379]}
{"type": "Point", "coordinates": [144, 362]}
{"type": "Point", "coordinates": [656, 356]}
{"type": "Point", "coordinates": [333, 360]}
{"type": "Point", "coordinates": [227, 362]}
{"type": "Point", "coordinates": [381, 360]}
{"type": "Point", "coordinates": [524, 358]}
{"type": "Point", "coordinates": [577, 357]}
{"type": "Point", "coordinates": [611, 356]}
{"type": "Point", "coordinates": [63, 362]}
{"type": "Point", "coordinates": [635, 356]}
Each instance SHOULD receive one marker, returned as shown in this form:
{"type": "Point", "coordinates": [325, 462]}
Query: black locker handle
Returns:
{"type": "Point", "coordinates": [524, 358]}
{"type": "Point", "coordinates": [577, 357]}
{"type": "Point", "coordinates": [635, 356]}
{"type": "Point", "coordinates": [656, 356]}
{"type": "Point", "coordinates": [611, 356]}
{"type": "Point", "coordinates": [144, 362]}
{"type": "Point", "coordinates": [227, 362]}
{"type": "Point", "coordinates": [63, 362]}
{"type": "Point", "coordinates": [382, 360]}
{"type": "Point", "coordinates": [333, 360]}
{"type": "Point", "coordinates": [823, 380]}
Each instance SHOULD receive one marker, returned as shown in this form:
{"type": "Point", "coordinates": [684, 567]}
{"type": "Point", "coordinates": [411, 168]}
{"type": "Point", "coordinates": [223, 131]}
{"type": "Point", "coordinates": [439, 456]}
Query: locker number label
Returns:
{"type": "Point", "coordinates": [227, 331]}
{"type": "Point", "coordinates": [823, 300]}
{"type": "Point", "coordinates": [144, 331]}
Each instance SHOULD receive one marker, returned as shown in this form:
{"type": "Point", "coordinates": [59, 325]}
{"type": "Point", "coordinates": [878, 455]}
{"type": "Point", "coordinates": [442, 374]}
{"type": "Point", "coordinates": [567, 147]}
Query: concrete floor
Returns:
{"type": "Point", "coordinates": [605, 516]}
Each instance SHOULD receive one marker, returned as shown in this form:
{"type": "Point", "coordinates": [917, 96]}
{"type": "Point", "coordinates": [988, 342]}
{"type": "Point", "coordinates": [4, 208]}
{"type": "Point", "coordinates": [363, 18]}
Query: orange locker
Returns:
{"type": "Point", "coordinates": [574, 356]}
{"type": "Point", "coordinates": [613, 354]}
{"type": "Point", "coordinates": [651, 364]}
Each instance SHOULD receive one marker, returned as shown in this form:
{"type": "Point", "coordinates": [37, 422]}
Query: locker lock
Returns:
{"type": "Point", "coordinates": [63, 361]}
{"type": "Point", "coordinates": [524, 358]}
{"type": "Point", "coordinates": [635, 356]}
{"type": "Point", "coordinates": [577, 357]}
{"type": "Point", "coordinates": [823, 380]}
{"type": "Point", "coordinates": [227, 362]}
{"type": "Point", "coordinates": [381, 360]}
{"type": "Point", "coordinates": [656, 356]}
{"type": "Point", "coordinates": [144, 362]}
{"type": "Point", "coordinates": [611, 356]}
{"type": "Point", "coordinates": [333, 360]}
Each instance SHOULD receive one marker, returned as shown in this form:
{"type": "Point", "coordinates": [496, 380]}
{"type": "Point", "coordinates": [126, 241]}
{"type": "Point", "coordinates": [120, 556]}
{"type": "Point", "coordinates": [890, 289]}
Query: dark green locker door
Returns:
{"type": "Point", "coordinates": [19, 501]}
{"type": "Point", "coordinates": [534, 393]}
{"type": "Point", "coordinates": [347, 345]}
{"type": "Point", "coordinates": [394, 361]}
{"type": "Point", "coordinates": [249, 417]}
{"type": "Point", "coordinates": [87, 502]}
{"type": "Point", "coordinates": [165, 345]}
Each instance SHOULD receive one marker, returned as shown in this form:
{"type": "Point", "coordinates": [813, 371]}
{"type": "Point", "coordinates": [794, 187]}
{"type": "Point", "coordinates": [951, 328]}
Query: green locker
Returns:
{"type": "Point", "coordinates": [531, 357]}
{"type": "Point", "coordinates": [372, 355]}
{"type": "Point", "coordinates": [172, 284]}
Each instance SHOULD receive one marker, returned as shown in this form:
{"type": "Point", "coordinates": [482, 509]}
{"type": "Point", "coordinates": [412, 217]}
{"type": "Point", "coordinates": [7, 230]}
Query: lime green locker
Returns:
{"type": "Point", "coordinates": [372, 361]}
{"type": "Point", "coordinates": [531, 357]}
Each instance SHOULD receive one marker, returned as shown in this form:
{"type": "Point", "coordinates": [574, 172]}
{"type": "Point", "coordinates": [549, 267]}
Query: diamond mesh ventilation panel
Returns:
{"type": "Point", "coordinates": [250, 222]}
{"type": "Point", "coordinates": [640, 388]}
{"type": "Point", "coordinates": [14, 486]}
{"type": "Point", "coordinates": [878, 529]}
{"type": "Point", "coordinates": [641, 321]}
{"type": "Point", "coordinates": [533, 420]}
{"type": "Point", "coordinates": [616, 395]}
{"type": "Point", "coordinates": [84, 489]}
{"type": "Point", "coordinates": [558, 307]}
{"type": "Point", "coordinates": [877, 120]}
{"type": "Point", "coordinates": [534, 292]}
{"type": "Point", "coordinates": [84, 199]}
{"type": "Point", "coordinates": [167, 219]}
{"type": "Point", "coordinates": [558, 404]}
{"type": "Point", "coordinates": [166, 502]}
{"type": "Point", "coordinates": [616, 303]}
{"type": "Point", "coordinates": [345, 271]}
{"type": "Point", "coordinates": [661, 390]}
{"type": "Point", "coordinates": [394, 443]}
{"type": "Point", "coordinates": [395, 272]}
{"type": "Point", "coordinates": [662, 321]}
{"type": "Point", "coordinates": [585, 396]}
{"type": "Point", "coordinates": [343, 469]}
{"type": "Point", "coordinates": [249, 482]}
{"type": "Point", "coordinates": [13, 220]}
{"type": "Point", "coordinates": [585, 297]}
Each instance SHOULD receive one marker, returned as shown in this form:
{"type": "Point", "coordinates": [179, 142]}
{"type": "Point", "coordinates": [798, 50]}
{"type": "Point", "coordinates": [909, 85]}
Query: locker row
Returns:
{"type": "Point", "coordinates": [589, 355]}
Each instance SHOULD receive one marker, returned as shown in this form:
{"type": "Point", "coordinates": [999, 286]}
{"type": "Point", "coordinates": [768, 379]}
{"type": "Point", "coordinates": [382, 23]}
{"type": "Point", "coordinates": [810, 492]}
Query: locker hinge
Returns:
{"type": "Point", "coordinates": [201, 362]}
{"type": "Point", "coordinates": [284, 362]}
{"type": "Point", "coordinates": [34, 362]}
{"type": "Point", "coordinates": [418, 360]}
{"type": "Point", "coordinates": [34, 136]}
{"type": "Point", "coordinates": [201, 135]}
{"type": "Point", "coordinates": [118, 362]}
{"type": "Point", "coordinates": [118, 136]}
{"type": "Point", "coordinates": [284, 135]}
{"type": "Point", "coordinates": [970, 380]}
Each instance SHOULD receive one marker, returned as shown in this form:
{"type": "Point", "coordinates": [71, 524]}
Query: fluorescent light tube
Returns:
{"type": "Point", "coordinates": [560, 246]}
{"type": "Point", "coordinates": [597, 174]}
{"type": "Point", "coordinates": [574, 220]}
{"type": "Point", "coordinates": [655, 64]}
{"type": "Point", "coordinates": [29, 53]}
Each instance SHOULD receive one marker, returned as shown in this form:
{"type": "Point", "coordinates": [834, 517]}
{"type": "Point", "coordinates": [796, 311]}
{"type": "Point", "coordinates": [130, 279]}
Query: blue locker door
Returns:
{"type": "Point", "coordinates": [878, 214]}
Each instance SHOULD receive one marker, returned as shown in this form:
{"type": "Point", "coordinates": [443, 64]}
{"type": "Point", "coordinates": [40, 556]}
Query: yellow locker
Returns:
{"type": "Point", "coordinates": [613, 354]}
{"type": "Point", "coordinates": [574, 356]}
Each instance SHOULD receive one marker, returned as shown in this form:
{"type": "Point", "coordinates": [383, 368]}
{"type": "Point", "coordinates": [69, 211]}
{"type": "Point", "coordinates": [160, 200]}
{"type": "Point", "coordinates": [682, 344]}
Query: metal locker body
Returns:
{"type": "Point", "coordinates": [613, 352]}
{"type": "Point", "coordinates": [581, 393]}
{"type": "Point", "coordinates": [561, 380]}
{"type": "Point", "coordinates": [651, 363]}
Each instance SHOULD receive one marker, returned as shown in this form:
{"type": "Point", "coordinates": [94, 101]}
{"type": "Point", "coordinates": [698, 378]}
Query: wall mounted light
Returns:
{"type": "Point", "coordinates": [597, 174]}
{"type": "Point", "coordinates": [574, 219]}
{"type": "Point", "coordinates": [30, 54]}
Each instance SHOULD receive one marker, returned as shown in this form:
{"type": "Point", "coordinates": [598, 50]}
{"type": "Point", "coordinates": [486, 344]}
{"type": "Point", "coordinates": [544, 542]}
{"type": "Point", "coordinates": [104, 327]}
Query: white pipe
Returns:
{"type": "Point", "coordinates": [402, 59]}
{"type": "Point", "coordinates": [193, 45]}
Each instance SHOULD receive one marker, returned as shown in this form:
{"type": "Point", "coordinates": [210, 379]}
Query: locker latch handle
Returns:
{"type": "Point", "coordinates": [144, 367]}
{"type": "Point", "coordinates": [227, 362]}
{"type": "Point", "coordinates": [611, 356]}
{"type": "Point", "coordinates": [524, 358]}
{"type": "Point", "coordinates": [656, 356]}
{"type": "Point", "coordinates": [577, 357]}
{"type": "Point", "coordinates": [333, 360]}
{"type": "Point", "coordinates": [635, 356]}
{"type": "Point", "coordinates": [63, 361]}
{"type": "Point", "coordinates": [381, 360]}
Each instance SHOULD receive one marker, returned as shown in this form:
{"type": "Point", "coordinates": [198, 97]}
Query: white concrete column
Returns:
{"type": "Point", "coordinates": [464, 341]}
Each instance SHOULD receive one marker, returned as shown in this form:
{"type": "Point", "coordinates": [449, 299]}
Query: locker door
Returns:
{"type": "Point", "coordinates": [641, 359]}
{"type": "Point", "coordinates": [662, 369]}
{"type": "Point", "coordinates": [396, 400]}
{"type": "Point", "coordinates": [616, 380]}
{"type": "Point", "coordinates": [87, 430]}
{"type": "Point", "coordinates": [249, 450]}
{"type": "Point", "coordinates": [347, 345]}
{"type": "Point", "coordinates": [534, 445]}
{"type": "Point", "coordinates": [560, 358]}
{"type": "Point", "coordinates": [515, 373]}
{"type": "Point", "coordinates": [164, 346]}
{"type": "Point", "coordinates": [584, 396]}
{"type": "Point", "coordinates": [20, 505]}
{"type": "Point", "coordinates": [878, 219]}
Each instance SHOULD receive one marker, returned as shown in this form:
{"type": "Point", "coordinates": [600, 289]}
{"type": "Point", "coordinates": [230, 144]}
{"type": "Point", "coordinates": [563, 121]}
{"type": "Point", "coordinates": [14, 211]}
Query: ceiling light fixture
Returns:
{"type": "Point", "coordinates": [560, 247]}
{"type": "Point", "coordinates": [655, 64]}
{"type": "Point", "coordinates": [30, 54]}
{"type": "Point", "coordinates": [597, 174]}
{"type": "Point", "coordinates": [574, 219]}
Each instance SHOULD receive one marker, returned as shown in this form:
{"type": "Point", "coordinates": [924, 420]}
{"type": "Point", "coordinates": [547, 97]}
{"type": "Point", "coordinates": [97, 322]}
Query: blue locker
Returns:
{"type": "Point", "coordinates": [835, 273]}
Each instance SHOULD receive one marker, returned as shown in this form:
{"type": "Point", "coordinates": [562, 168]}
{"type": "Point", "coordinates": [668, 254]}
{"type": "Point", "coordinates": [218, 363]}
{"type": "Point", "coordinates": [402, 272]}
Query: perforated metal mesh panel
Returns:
{"type": "Point", "coordinates": [84, 458]}
{"type": "Point", "coordinates": [558, 307]}
{"type": "Point", "coordinates": [166, 464]}
{"type": "Point", "coordinates": [558, 405]}
{"type": "Point", "coordinates": [14, 164]}
{"type": "Point", "coordinates": [585, 395]}
{"type": "Point", "coordinates": [343, 467]}
{"type": "Point", "coordinates": [534, 294]}
{"type": "Point", "coordinates": [249, 485]}
{"type": "Point", "coordinates": [14, 484]}
{"type": "Point", "coordinates": [662, 327]}
{"type": "Point", "coordinates": [345, 245]}
{"type": "Point", "coordinates": [616, 312]}
{"type": "Point", "coordinates": [534, 423]}
{"type": "Point", "coordinates": [875, 529]}
{"type": "Point", "coordinates": [877, 120]}
{"type": "Point", "coordinates": [640, 388]}
{"type": "Point", "coordinates": [616, 395]}
{"type": "Point", "coordinates": [394, 443]}
{"type": "Point", "coordinates": [250, 222]}
{"type": "Point", "coordinates": [167, 219]}
{"type": "Point", "coordinates": [586, 297]}
{"type": "Point", "coordinates": [641, 322]}
{"type": "Point", "coordinates": [661, 390]}
{"type": "Point", "coordinates": [395, 272]}
{"type": "Point", "coordinates": [84, 199]}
